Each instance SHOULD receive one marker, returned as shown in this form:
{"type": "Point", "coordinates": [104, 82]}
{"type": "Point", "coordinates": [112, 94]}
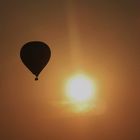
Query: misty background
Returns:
{"type": "Point", "coordinates": [98, 37]}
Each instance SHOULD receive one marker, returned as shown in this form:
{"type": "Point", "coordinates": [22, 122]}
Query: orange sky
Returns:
{"type": "Point", "coordinates": [99, 38]}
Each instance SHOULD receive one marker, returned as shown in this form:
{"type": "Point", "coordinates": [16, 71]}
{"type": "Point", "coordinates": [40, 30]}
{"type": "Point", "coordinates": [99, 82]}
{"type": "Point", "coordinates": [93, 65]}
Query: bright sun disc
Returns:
{"type": "Point", "coordinates": [80, 89]}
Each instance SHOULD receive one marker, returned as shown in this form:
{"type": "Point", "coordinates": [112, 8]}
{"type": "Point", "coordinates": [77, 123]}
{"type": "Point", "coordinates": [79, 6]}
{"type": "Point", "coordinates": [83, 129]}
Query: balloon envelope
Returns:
{"type": "Point", "coordinates": [35, 55]}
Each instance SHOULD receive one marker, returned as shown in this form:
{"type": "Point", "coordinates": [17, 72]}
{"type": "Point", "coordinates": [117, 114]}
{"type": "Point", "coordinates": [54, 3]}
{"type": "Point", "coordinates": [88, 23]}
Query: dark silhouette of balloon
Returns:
{"type": "Point", "coordinates": [35, 55]}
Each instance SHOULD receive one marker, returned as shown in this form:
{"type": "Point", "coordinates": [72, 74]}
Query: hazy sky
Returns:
{"type": "Point", "coordinates": [100, 38]}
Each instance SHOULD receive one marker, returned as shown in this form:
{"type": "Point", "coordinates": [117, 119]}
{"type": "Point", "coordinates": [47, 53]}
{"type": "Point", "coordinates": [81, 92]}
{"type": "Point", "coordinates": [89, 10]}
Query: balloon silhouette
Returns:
{"type": "Point", "coordinates": [35, 55]}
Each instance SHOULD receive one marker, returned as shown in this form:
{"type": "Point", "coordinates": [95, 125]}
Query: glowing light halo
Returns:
{"type": "Point", "coordinates": [79, 88]}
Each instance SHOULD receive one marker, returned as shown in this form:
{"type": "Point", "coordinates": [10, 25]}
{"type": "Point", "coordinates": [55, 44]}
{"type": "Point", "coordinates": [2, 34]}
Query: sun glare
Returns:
{"type": "Point", "coordinates": [80, 91]}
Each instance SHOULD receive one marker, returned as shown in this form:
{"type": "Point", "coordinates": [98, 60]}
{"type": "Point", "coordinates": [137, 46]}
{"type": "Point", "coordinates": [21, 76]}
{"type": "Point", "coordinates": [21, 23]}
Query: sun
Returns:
{"type": "Point", "coordinates": [80, 89]}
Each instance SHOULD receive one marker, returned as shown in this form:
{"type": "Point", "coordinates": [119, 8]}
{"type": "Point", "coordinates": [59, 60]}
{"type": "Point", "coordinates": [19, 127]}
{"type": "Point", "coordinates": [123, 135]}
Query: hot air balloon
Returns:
{"type": "Point", "coordinates": [35, 55]}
